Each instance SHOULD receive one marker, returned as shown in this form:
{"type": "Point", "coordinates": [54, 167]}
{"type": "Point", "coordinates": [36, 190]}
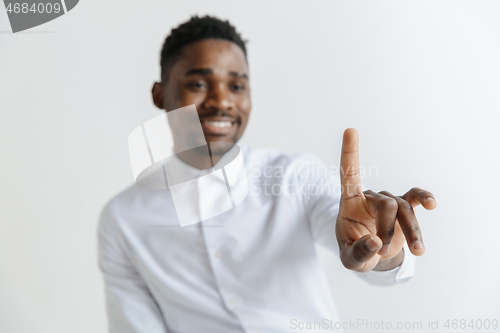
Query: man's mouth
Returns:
{"type": "Point", "coordinates": [219, 124]}
{"type": "Point", "coordinates": [218, 127]}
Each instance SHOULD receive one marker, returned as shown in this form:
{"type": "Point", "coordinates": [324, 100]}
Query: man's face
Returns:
{"type": "Point", "coordinates": [213, 75]}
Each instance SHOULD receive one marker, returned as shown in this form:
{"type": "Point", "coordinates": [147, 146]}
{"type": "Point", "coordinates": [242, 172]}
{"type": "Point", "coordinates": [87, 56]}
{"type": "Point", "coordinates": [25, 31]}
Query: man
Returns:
{"type": "Point", "coordinates": [259, 272]}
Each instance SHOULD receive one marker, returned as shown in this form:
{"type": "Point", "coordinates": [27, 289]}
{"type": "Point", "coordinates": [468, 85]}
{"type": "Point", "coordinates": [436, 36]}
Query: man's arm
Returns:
{"type": "Point", "coordinates": [130, 306]}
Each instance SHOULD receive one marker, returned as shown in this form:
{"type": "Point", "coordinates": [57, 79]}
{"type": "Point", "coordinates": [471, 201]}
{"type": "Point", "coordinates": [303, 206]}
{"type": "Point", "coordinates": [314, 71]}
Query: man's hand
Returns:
{"type": "Point", "coordinates": [372, 227]}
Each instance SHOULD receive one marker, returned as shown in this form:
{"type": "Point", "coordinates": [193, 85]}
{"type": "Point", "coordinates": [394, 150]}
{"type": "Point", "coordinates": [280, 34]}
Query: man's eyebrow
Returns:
{"type": "Point", "coordinates": [199, 71]}
{"type": "Point", "coordinates": [208, 71]}
{"type": "Point", "coordinates": [238, 75]}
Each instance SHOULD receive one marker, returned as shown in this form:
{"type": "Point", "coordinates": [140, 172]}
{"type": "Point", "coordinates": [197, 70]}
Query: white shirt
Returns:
{"type": "Point", "coordinates": [252, 268]}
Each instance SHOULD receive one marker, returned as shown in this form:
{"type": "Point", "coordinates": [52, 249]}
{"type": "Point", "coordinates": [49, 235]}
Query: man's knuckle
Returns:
{"type": "Point", "coordinates": [387, 232]}
{"type": "Point", "coordinates": [405, 206]}
{"type": "Point", "coordinates": [415, 229]}
{"type": "Point", "coordinates": [389, 204]}
{"type": "Point", "coordinates": [358, 256]}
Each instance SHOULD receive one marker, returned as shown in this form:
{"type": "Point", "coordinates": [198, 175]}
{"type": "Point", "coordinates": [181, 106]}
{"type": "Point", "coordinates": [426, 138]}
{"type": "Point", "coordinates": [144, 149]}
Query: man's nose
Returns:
{"type": "Point", "coordinates": [219, 98]}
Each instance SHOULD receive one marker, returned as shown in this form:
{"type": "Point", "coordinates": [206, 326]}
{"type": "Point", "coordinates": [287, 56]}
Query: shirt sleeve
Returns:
{"type": "Point", "coordinates": [322, 199]}
{"type": "Point", "coordinates": [130, 306]}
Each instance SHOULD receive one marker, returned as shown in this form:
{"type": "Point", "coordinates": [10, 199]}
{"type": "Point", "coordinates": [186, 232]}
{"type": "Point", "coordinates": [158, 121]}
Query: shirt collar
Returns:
{"type": "Point", "coordinates": [178, 171]}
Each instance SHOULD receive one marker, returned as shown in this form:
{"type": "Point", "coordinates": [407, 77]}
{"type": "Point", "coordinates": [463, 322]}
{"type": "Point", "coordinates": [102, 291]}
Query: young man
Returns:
{"type": "Point", "coordinates": [254, 267]}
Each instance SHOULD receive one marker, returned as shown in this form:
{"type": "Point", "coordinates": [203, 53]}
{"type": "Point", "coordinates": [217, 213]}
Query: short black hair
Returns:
{"type": "Point", "coordinates": [197, 28]}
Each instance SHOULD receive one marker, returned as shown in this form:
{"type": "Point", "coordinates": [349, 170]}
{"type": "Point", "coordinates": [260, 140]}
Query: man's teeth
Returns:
{"type": "Point", "coordinates": [220, 124]}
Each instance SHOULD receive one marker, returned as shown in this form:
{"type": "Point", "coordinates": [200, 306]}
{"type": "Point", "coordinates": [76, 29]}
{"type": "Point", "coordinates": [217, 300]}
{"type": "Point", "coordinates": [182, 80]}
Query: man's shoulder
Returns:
{"type": "Point", "coordinates": [130, 201]}
{"type": "Point", "coordinates": [126, 197]}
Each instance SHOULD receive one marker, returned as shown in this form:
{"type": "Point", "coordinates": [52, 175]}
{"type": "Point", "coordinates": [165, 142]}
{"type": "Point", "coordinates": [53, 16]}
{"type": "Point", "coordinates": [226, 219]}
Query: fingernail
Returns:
{"type": "Point", "coordinates": [418, 245]}
{"type": "Point", "coordinates": [430, 199]}
{"type": "Point", "coordinates": [384, 250]}
{"type": "Point", "coordinates": [371, 245]}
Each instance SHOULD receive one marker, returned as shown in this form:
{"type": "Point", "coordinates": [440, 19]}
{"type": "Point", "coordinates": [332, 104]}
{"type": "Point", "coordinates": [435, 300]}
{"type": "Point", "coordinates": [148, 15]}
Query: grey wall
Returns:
{"type": "Point", "coordinates": [418, 79]}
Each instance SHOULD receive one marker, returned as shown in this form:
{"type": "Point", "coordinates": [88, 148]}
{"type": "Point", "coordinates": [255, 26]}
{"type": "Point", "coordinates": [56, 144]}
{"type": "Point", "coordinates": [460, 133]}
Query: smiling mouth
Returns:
{"type": "Point", "coordinates": [218, 127]}
{"type": "Point", "coordinates": [218, 124]}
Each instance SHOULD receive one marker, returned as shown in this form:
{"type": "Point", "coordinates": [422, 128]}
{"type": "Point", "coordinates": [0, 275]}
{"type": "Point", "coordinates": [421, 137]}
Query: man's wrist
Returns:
{"type": "Point", "coordinates": [392, 263]}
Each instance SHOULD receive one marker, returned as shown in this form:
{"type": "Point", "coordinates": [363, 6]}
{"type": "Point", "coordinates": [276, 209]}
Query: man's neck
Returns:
{"type": "Point", "coordinates": [199, 158]}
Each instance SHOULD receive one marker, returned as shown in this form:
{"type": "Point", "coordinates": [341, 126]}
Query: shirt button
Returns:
{"type": "Point", "coordinates": [233, 301]}
{"type": "Point", "coordinates": [218, 254]}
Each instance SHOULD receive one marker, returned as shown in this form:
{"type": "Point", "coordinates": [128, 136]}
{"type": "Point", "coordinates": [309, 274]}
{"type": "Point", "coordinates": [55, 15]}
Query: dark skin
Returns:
{"type": "Point", "coordinates": [213, 75]}
{"type": "Point", "coordinates": [371, 227]}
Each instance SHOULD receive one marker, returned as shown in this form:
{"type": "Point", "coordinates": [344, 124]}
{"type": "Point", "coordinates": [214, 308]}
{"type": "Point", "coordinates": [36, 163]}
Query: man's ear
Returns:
{"type": "Point", "coordinates": [157, 94]}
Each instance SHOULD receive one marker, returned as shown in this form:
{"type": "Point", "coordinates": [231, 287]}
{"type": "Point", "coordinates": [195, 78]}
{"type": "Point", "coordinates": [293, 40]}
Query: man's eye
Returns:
{"type": "Point", "coordinates": [238, 87]}
{"type": "Point", "coordinates": [198, 85]}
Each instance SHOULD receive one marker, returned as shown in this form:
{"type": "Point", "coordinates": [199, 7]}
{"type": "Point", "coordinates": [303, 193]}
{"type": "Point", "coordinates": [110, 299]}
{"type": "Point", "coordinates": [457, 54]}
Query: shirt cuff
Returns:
{"type": "Point", "coordinates": [400, 274]}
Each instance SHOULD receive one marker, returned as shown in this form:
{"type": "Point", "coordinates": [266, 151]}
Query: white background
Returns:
{"type": "Point", "coordinates": [419, 80]}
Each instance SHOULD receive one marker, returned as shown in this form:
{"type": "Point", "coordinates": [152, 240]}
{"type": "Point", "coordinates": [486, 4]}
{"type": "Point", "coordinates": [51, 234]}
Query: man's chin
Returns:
{"type": "Point", "coordinates": [219, 148]}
